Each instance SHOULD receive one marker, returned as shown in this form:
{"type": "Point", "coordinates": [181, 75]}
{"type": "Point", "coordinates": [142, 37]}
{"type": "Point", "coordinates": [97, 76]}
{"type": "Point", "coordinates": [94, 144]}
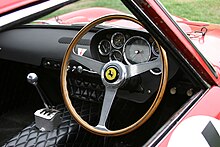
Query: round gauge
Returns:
{"type": "Point", "coordinates": [137, 50]}
{"type": "Point", "coordinates": [155, 71]}
{"type": "Point", "coordinates": [118, 40]}
{"type": "Point", "coordinates": [155, 49]}
{"type": "Point", "coordinates": [104, 47]}
{"type": "Point", "coordinates": [116, 55]}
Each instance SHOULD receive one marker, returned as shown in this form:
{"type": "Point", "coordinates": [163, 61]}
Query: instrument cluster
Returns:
{"type": "Point", "coordinates": [129, 47]}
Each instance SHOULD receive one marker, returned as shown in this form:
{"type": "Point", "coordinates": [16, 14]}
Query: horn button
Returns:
{"type": "Point", "coordinates": [111, 74]}
{"type": "Point", "coordinates": [114, 74]}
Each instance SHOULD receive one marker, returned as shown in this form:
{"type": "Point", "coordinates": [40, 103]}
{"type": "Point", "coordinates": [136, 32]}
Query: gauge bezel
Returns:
{"type": "Point", "coordinates": [153, 72]}
{"type": "Point", "coordinates": [99, 48]}
{"type": "Point", "coordinates": [112, 40]}
{"type": "Point", "coordinates": [124, 48]}
{"type": "Point", "coordinates": [113, 52]}
{"type": "Point", "coordinates": [153, 49]}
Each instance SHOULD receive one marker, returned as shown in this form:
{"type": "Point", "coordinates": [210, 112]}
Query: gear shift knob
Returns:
{"type": "Point", "coordinates": [48, 118]}
{"type": "Point", "coordinates": [32, 78]}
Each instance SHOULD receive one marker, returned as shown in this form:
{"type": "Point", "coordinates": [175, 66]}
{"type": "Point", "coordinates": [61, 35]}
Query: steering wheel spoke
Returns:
{"type": "Point", "coordinates": [87, 62]}
{"type": "Point", "coordinates": [140, 68]}
{"type": "Point", "coordinates": [106, 106]}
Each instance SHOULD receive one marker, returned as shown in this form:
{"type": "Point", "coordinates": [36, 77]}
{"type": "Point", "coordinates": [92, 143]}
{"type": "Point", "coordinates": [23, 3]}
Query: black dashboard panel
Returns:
{"type": "Point", "coordinates": [31, 45]}
{"type": "Point", "coordinates": [46, 46]}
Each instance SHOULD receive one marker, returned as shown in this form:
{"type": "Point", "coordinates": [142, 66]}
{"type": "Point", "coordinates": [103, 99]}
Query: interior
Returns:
{"type": "Point", "coordinates": [39, 49]}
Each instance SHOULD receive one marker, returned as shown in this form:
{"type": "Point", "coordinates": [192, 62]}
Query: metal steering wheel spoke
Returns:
{"type": "Point", "coordinates": [109, 97]}
{"type": "Point", "coordinates": [140, 68]}
{"type": "Point", "coordinates": [87, 62]}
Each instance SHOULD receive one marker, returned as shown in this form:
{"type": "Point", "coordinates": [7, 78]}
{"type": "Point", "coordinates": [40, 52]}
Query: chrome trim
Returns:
{"type": "Point", "coordinates": [153, 49]}
{"type": "Point", "coordinates": [99, 47]}
{"type": "Point", "coordinates": [112, 40]}
{"type": "Point", "coordinates": [121, 70]}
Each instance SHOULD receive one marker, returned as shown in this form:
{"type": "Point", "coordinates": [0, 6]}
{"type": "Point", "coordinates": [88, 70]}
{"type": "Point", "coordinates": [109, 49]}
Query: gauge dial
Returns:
{"type": "Point", "coordinates": [118, 40]}
{"type": "Point", "coordinates": [104, 47]}
{"type": "Point", "coordinates": [116, 55]}
{"type": "Point", "coordinates": [155, 49]}
{"type": "Point", "coordinates": [137, 50]}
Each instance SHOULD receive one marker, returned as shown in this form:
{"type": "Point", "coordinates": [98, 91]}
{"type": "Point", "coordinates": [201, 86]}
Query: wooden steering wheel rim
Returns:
{"type": "Point", "coordinates": [67, 101]}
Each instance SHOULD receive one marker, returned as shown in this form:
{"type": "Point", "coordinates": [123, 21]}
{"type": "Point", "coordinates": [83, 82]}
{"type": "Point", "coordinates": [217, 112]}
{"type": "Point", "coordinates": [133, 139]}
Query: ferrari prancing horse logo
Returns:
{"type": "Point", "coordinates": [111, 74]}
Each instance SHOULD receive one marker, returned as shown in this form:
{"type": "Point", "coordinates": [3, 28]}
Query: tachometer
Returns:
{"type": "Point", "coordinates": [118, 40]}
{"type": "Point", "coordinates": [137, 50]}
{"type": "Point", "coordinates": [104, 47]}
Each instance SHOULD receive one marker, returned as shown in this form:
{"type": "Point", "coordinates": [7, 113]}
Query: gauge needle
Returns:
{"type": "Point", "coordinates": [144, 57]}
{"type": "Point", "coordinates": [133, 56]}
{"type": "Point", "coordinates": [138, 51]}
{"type": "Point", "coordinates": [104, 48]}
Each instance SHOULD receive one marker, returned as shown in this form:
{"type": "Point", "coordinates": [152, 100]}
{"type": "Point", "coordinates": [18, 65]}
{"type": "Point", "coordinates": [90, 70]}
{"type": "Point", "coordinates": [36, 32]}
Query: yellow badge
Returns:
{"type": "Point", "coordinates": [111, 74]}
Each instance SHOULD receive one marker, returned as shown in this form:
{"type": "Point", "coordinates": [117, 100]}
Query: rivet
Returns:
{"type": "Point", "coordinates": [173, 90]}
{"type": "Point", "coordinates": [189, 92]}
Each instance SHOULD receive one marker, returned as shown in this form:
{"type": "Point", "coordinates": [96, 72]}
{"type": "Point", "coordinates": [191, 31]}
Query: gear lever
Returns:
{"type": "Point", "coordinates": [48, 118]}
{"type": "Point", "coordinates": [32, 78]}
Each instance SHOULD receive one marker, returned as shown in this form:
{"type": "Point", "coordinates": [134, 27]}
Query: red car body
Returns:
{"type": "Point", "coordinates": [7, 6]}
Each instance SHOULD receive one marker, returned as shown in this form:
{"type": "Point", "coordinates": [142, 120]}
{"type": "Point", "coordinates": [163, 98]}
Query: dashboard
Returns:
{"type": "Point", "coordinates": [44, 47]}
{"type": "Point", "coordinates": [124, 45]}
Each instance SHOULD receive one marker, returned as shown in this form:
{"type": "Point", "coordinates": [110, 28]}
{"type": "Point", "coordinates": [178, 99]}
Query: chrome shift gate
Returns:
{"type": "Point", "coordinates": [46, 119]}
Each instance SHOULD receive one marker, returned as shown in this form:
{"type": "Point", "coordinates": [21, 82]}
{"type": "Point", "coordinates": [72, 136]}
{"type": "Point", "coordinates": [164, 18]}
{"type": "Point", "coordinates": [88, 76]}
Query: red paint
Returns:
{"type": "Point", "coordinates": [89, 14]}
{"type": "Point", "coordinates": [9, 5]}
{"type": "Point", "coordinates": [218, 116]}
{"type": "Point", "coordinates": [208, 106]}
{"type": "Point", "coordinates": [85, 15]}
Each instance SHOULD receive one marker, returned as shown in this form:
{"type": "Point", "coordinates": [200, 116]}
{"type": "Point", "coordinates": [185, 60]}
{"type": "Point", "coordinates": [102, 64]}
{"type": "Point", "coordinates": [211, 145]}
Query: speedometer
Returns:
{"type": "Point", "coordinates": [136, 50]}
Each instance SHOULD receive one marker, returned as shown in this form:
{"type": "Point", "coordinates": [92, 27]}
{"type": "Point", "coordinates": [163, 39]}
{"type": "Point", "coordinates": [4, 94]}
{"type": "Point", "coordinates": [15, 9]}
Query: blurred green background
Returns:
{"type": "Point", "coordinates": [196, 10]}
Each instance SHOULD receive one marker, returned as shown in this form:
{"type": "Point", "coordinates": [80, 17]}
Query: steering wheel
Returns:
{"type": "Point", "coordinates": [113, 75]}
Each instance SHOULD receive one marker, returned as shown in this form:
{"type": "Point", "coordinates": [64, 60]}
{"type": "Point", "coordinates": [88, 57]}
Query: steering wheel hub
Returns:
{"type": "Point", "coordinates": [113, 74]}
